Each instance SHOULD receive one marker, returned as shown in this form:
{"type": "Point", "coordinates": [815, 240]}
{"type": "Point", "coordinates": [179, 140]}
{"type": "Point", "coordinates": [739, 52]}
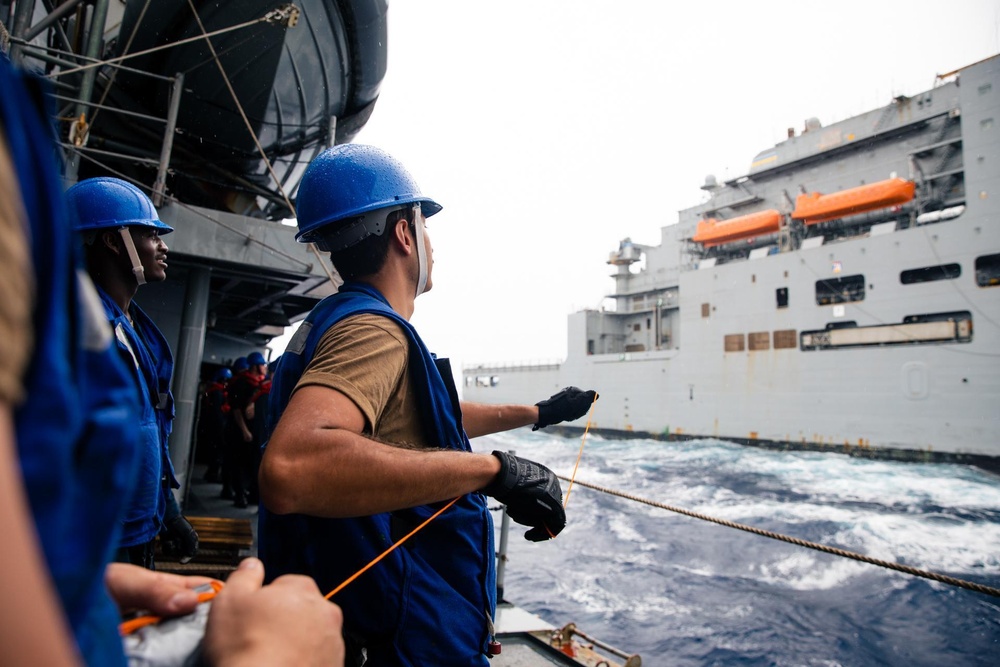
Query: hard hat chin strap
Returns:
{"type": "Point", "coordinates": [140, 276]}
{"type": "Point", "coordinates": [421, 252]}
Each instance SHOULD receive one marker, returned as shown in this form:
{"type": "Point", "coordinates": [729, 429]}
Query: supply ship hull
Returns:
{"type": "Point", "coordinates": [845, 294]}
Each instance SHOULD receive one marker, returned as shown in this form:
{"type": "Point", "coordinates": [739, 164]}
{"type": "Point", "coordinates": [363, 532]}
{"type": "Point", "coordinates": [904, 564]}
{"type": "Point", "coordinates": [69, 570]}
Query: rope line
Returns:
{"type": "Point", "coordinates": [388, 551]}
{"type": "Point", "coordinates": [583, 441]}
{"type": "Point", "coordinates": [942, 578]}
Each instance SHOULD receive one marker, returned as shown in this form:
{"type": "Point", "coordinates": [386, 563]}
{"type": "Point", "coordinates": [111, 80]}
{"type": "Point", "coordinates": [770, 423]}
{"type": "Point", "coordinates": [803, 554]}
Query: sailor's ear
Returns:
{"type": "Point", "coordinates": [110, 240]}
{"type": "Point", "coordinates": [403, 236]}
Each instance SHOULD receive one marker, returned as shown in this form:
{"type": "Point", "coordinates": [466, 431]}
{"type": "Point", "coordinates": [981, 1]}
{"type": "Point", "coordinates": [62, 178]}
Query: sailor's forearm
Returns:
{"type": "Point", "coordinates": [483, 419]}
{"type": "Point", "coordinates": [343, 474]}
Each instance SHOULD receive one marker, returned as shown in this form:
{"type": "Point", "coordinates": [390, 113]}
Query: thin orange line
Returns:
{"type": "Point", "coordinates": [580, 454]}
{"type": "Point", "coordinates": [389, 550]}
{"type": "Point", "coordinates": [130, 626]}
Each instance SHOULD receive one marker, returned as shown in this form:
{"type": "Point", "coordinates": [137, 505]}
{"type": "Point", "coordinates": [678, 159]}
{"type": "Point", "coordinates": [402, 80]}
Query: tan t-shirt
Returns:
{"type": "Point", "coordinates": [16, 285]}
{"type": "Point", "coordinates": [365, 358]}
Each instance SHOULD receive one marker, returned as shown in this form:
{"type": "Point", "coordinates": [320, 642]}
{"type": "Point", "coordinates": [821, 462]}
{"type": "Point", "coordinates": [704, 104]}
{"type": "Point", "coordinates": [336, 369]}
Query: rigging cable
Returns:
{"type": "Point", "coordinates": [906, 569]}
{"type": "Point", "coordinates": [248, 238]}
{"type": "Point", "coordinates": [287, 13]}
{"type": "Point", "coordinates": [270, 16]}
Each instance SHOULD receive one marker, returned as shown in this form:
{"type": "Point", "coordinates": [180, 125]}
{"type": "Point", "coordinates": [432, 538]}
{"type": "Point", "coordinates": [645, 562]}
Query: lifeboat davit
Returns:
{"type": "Point", "coordinates": [814, 207]}
{"type": "Point", "coordinates": [712, 232]}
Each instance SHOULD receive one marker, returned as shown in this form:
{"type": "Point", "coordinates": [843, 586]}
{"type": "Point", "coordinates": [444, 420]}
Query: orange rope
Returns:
{"type": "Point", "coordinates": [389, 550]}
{"type": "Point", "coordinates": [130, 626]}
{"type": "Point", "coordinates": [579, 455]}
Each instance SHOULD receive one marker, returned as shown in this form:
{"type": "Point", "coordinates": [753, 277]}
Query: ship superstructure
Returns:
{"type": "Point", "coordinates": [844, 293]}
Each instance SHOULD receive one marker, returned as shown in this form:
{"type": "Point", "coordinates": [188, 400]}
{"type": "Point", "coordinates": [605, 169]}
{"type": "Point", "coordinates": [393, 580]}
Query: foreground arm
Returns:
{"type": "Point", "coordinates": [318, 463]}
{"type": "Point", "coordinates": [286, 623]}
{"type": "Point", "coordinates": [33, 630]}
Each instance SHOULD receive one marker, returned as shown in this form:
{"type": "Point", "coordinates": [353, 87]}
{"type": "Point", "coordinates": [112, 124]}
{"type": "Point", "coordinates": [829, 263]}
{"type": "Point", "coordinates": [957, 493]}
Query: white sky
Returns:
{"type": "Point", "coordinates": [551, 129]}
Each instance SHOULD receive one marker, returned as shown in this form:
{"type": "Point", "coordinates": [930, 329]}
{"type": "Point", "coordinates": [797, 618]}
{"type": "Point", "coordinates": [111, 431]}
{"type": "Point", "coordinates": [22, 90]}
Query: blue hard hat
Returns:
{"type": "Point", "coordinates": [223, 374]}
{"type": "Point", "coordinates": [105, 202]}
{"type": "Point", "coordinates": [241, 364]}
{"type": "Point", "coordinates": [255, 359]}
{"type": "Point", "coordinates": [349, 180]}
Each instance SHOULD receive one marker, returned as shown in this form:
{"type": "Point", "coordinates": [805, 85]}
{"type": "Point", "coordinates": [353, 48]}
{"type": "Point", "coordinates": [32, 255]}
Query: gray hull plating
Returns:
{"type": "Point", "coordinates": [876, 332]}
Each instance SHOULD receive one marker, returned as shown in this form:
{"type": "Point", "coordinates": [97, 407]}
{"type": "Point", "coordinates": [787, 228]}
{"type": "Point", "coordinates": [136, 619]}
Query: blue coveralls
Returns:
{"type": "Point", "coordinates": [74, 430]}
{"type": "Point", "coordinates": [427, 602]}
{"type": "Point", "coordinates": [152, 366]}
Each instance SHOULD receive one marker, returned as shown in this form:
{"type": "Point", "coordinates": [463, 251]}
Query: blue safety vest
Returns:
{"type": "Point", "coordinates": [148, 355]}
{"type": "Point", "coordinates": [427, 602]}
{"type": "Point", "coordinates": [74, 429]}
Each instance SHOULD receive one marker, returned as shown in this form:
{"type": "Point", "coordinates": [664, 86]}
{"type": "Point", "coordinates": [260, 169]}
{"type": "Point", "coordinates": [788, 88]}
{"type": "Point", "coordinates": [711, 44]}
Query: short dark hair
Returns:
{"type": "Point", "coordinates": [368, 257]}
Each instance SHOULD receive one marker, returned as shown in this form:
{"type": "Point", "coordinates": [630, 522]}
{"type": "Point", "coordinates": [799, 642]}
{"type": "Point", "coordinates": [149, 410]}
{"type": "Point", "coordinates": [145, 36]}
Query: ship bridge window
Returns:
{"type": "Point", "coordinates": [487, 380]}
{"type": "Point", "coordinates": [840, 290]}
{"type": "Point", "coordinates": [930, 273]}
{"type": "Point", "coordinates": [988, 270]}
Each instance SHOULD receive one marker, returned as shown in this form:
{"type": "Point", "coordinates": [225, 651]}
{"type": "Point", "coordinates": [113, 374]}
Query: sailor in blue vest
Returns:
{"type": "Point", "coordinates": [368, 437]}
{"type": "Point", "coordinates": [122, 233]}
{"type": "Point", "coordinates": [75, 410]}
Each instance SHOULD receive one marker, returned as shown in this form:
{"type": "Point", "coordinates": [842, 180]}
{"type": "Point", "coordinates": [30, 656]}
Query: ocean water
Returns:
{"type": "Point", "coordinates": [680, 591]}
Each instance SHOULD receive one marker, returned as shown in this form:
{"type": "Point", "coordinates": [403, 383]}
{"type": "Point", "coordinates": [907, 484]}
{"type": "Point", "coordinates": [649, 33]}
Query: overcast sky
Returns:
{"type": "Point", "coordinates": [552, 129]}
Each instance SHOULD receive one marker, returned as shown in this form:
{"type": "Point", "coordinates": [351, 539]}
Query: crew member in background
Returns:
{"type": "Point", "coordinates": [239, 438]}
{"type": "Point", "coordinates": [212, 422]}
{"type": "Point", "coordinates": [123, 250]}
{"type": "Point", "coordinates": [368, 441]}
{"type": "Point", "coordinates": [239, 366]}
{"type": "Point", "coordinates": [68, 410]}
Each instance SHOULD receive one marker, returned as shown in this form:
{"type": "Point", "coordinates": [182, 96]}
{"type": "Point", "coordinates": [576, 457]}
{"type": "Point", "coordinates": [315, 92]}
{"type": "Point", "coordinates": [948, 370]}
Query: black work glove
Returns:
{"type": "Point", "coordinates": [183, 536]}
{"type": "Point", "coordinates": [569, 404]}
{"type": "Point", "coordinates": [532, 495]}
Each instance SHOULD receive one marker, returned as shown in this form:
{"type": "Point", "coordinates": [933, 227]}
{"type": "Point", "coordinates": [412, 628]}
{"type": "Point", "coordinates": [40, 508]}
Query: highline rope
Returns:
{"type": "Point", "coordinates": [945, 579]}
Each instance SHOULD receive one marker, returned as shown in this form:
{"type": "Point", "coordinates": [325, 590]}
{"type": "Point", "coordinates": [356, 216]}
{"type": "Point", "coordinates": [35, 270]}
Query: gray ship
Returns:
{"type": "Point", "coordinates": [843, 295]}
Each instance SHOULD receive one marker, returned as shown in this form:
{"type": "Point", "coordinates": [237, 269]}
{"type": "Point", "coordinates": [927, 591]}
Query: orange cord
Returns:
{"type": "Point", "coordinates": [130, 626]}
{"type": "Point", "coordinates": [389, 550]}
{"type": "Point", "coordinates": [579, 455]}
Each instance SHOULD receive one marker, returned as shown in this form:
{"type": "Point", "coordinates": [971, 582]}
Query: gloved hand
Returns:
{"type": "Point", "coordinates": [532, 495]}
{"type": "Point", "coordinates": [569, 404]}
{"type": "Point", "coordinates": [184, 536]}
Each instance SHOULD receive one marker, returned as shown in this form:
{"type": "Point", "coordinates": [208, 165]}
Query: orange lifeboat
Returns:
{"type": "Point", "coordinates": [712, 232]}
{"type": "Point", "coordinates": [815, 207]}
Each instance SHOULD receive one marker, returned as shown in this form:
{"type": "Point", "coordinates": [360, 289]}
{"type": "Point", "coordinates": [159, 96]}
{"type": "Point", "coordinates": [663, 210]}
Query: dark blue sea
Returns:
{"type": "Point", "coordinates": [680, 591]}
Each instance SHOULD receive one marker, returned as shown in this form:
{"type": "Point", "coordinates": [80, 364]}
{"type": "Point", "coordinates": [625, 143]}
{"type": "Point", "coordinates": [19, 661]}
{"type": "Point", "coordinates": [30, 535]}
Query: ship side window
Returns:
{"type": "Point", "coordinates": [930, 273]}
{"type": "Point", "coordinates": [734, 342]}
{"type": "Point", "coordinates": [782, 296]}
{"type": "Point", "coordinates": [988, 270]}
{"type": "Point", "coordinates": [840, 290]}
{"type": "Point", "coordinates": [759, 340]}
{"type": "Point", "coordinates": [636, 327]}
{"type": "Point", "coordinates": [786, 339]}
{"type": "Point", "coordinates": [704, 310]}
